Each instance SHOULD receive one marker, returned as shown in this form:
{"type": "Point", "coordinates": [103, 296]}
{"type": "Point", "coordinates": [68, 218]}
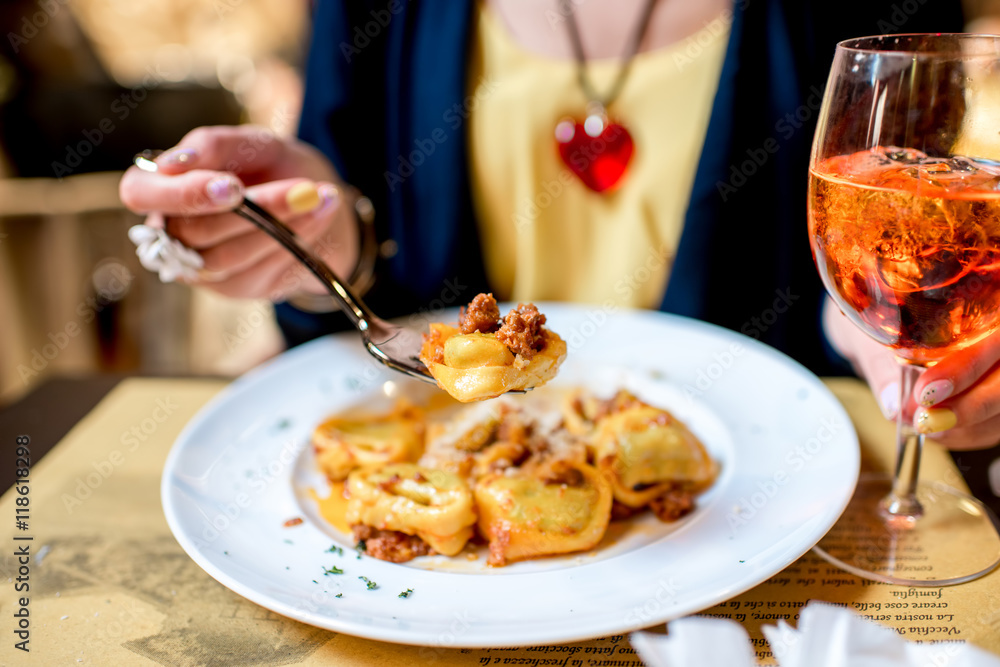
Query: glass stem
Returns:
{"type": "Point", "coordinates": [902, 503]}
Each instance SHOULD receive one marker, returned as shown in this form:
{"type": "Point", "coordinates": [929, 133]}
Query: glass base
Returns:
{"type": "Point", "coordinates": [955, 540]}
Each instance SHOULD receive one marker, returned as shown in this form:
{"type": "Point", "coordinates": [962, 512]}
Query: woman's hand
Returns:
{"type": "Point", "coordinates": [956, 401]}
{"type": "Point", "coordinates": [206, 175]}
{"type": "Point", "coordinates": [959, 397]}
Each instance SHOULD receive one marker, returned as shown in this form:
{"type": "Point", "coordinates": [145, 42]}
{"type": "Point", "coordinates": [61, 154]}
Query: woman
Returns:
{"type": "Point", "coordinates": [447, 116]}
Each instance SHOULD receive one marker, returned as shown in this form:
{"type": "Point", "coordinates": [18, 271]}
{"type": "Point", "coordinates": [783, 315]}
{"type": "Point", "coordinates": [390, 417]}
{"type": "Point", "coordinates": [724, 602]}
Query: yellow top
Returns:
{"type": "Point", "coordinates": [545, 235]}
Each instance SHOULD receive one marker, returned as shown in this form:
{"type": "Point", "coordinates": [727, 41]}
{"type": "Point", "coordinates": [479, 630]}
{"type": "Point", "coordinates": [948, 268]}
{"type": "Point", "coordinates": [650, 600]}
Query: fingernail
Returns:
{"type": "Point", "coordinates": [934, 420]}
{"type": "Point", "coordinates": [303, 197]}
{"type": "Point", "coordinates": [225, 190]}
{"type": "Point", "coordinates": [936, 392]}
{"type": "Point", "coordinates": [179, 156]}
{"type": "Point", "coordinates": [330, 196]}
{"type": "Point", "coordinates": [888, 400]}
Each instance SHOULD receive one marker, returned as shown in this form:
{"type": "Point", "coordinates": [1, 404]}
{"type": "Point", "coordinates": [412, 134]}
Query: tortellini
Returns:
{"type": "Point", "coordinates": [555, 509]}
{"type": "Point", "coordinates": [477, 366]}
{"type": "Point", "coordinates": [583, 410]}
{"type": "Point", "coordinates": [484, 357]}
{"type": "Point", "coordinates": [434, 505]}
{"type": "Point", "coordinates": [534, 476]}
{"type": "Point", "coordinates": [345, 443]}
{"type": "Point", "coordinates": [645, 452]}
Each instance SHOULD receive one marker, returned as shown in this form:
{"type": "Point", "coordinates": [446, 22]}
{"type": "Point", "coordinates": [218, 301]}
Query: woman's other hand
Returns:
{"type": "Point", "coordinates": [956, 402]}
{"type": "Point", "coordinates": [958, 399]}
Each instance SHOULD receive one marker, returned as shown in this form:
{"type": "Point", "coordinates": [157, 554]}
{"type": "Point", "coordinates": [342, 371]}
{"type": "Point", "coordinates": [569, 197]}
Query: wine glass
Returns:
{"type": "Point", "coordinates": [904, 224]}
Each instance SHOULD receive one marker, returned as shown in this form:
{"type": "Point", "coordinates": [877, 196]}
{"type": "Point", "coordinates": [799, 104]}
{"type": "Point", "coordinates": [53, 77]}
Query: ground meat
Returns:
{"type": "Point", "coordinates": [564, 475]}
{"type": "Point", "coordinates": [390, 545]}
{"type": "Point", "coordinates": [389, 485]}
{"type": "Point", "coordinates": [621, 511]}
{"type": "Point", "coordinates": [621, 401]}
{"type": "Point", "coordinates": [522, 330]}
{"type": "Point", "coordinates": [516, 454]}
{"type": "Point", "coordinates": [672, 505]}
{"type": "Point", "coordinates": [498, 547]}
{"type": "Point", "coordinates": [432, 350]}
{"type": "Point", "coordinates": [513, 428]}
{"type": "Point", "coordinates": [560, 471]}
{"type": "Point", "coordinates": [482, 315]}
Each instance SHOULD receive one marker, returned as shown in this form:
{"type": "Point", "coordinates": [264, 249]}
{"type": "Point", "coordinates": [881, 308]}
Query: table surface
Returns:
{"type": "Point", "coordinates": [109, 584]}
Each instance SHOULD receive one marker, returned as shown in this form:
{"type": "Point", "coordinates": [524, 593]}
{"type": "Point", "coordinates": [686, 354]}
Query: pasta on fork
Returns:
{"type": "Point", "coordinates": [486, 356]}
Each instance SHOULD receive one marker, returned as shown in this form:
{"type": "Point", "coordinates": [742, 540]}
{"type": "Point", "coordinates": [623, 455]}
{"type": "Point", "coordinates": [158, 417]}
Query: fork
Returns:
{"type": "Point", "coordinates": [392, 345]}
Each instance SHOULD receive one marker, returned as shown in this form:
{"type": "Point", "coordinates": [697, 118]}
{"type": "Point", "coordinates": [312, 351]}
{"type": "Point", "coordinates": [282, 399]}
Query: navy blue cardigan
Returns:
{"type": "Point", "coordinates": [385, 99]}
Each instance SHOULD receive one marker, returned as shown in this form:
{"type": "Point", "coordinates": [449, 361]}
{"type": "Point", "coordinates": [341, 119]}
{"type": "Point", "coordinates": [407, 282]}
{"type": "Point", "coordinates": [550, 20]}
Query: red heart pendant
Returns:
{"type": "Point", "coordinates": [597, 151]}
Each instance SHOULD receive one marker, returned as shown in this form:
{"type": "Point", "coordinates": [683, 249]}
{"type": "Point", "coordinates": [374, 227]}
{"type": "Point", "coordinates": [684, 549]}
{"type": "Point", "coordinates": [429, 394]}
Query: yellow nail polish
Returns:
{"type": "Point", "coordinates": [934, 421]}
{"type": "Point", "coordinates": [303, 197]}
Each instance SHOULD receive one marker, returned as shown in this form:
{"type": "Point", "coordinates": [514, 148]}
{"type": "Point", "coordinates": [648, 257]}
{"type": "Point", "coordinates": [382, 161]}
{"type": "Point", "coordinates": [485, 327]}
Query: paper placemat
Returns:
{"type": "Point", "coordinates": [109, 585]}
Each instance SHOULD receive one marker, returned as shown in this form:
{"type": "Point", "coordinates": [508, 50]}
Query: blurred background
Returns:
{"type": "Point", "coordinates": [84, 85]}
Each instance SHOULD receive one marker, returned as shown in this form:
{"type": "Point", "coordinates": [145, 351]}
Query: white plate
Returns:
{"type": "Point", "coordinates": [788, 452]}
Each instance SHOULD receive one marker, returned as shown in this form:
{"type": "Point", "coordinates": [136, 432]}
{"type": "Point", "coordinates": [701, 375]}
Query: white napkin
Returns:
{"type": "Point", "coordinates": [827, 636]}
{"type": "Point", "coordinates": [161, 253]}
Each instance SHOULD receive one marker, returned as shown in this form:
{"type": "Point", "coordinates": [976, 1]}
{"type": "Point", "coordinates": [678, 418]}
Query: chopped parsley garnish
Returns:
{"type": "Point", "coordinates": [315, 582]}
{"type": "Point", "coordinates": [369, 583]}
{"type": "Point", "coordinates": [332, 570]}
{"type": "Point", "coordinates": [335, 550]}
{"type": "Point", "coordinates": [289, 542]}
{"type": "Point", "coordinates": [226, 552]}
{"type": "Point", "coordinates": [406, 593]}
{"type": "Point", "coordinates": [339, 595]}
{"type": "Point", "coordinates": [361, 548]}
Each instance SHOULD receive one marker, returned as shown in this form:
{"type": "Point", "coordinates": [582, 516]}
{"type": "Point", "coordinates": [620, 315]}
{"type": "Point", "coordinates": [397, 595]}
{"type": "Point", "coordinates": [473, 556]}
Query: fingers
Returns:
{"type": "Point", "coordinates": [242, 261]}
{"type": "Point", "coordinates": [879, 368]}
{"type": "Point", "coordinates": [198, 176]}
{"type": "Point", "coordinates": [244, 251]}
{"type": "Point", "coordinates": [235, 149]}
{"type": "Point", "coordinates": [282, 198]}
{"type": "Point", "coordinates": [208, 230]}
{"type": "Point", "coordinates": [964, 420]}
{"type": "Point", "coordinates": [974, 436]}
{"type": "Point", "coordinates": [872, 361]}
{"type": "Point", "coordinates": [197, 192]}
{"type": "Point", "coordinates": [278, 274]}
{"type": "Point", "coordinates": [256, 281]}
{"type": "Point", "coordinates": [957, 372]}
{"type": "Point", "coordinates": [275, 276]}
{"type": "Point", "coordinates": [960, 397]}
{"type": "Point", "coordinates": [230, 265]}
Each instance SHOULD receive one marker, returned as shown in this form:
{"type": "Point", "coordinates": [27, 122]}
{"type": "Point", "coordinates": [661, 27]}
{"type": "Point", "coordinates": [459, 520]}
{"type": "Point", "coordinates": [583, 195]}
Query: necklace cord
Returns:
{"type": "Point", "coordinates": [632, 48]}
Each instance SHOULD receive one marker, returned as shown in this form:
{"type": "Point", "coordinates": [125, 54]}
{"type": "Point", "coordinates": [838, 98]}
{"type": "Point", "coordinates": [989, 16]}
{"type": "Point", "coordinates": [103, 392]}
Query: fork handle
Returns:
{"type": "Point", "coordinates": [357, 312]}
